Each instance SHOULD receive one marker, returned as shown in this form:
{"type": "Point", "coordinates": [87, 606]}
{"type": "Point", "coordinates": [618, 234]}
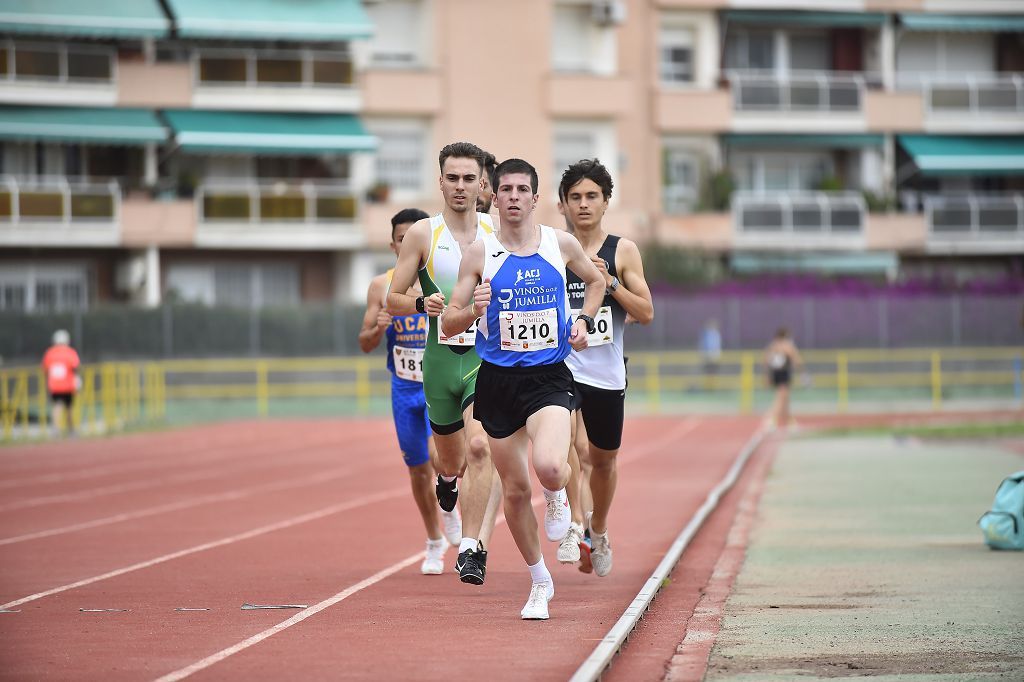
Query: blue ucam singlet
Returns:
{"type": "Point", "coordinates": [527, 322]}
{"type": "Point", "coordinates": [406, 338]}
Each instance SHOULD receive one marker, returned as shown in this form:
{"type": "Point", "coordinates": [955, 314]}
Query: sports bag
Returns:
{"type": "Point", "coordinates": [1003, 524]}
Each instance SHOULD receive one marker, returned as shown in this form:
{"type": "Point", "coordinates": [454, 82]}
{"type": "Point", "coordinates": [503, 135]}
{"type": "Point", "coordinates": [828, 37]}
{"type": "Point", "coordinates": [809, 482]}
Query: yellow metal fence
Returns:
{"type": "Point", "coordinates": [119, 395]}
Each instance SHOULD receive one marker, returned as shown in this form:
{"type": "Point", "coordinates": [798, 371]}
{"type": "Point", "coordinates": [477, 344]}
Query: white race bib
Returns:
{"type": "Point", "coordinates": [466, 338]}
{"type": "Point", "coordinates": [58, 372]}
{"type": "Point", "coordinates": [523, 331]}
{"type": "Point", "coordinates": [603, 326]}
{"type": "Point", "coordinates": [408, 363]}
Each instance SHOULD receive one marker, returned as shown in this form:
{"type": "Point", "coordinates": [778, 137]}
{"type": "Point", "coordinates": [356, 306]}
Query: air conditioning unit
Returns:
{"type": "Point", "coordinates": [608, 12]}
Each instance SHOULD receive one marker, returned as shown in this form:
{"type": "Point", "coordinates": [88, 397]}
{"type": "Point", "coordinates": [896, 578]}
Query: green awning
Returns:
{"type": "Point", "coordinates": [825, 263]}
{"type": "Point", "coordinates": [81, 124]}
{"type": "Point", "coordinates": [836, 141]}
{"type": "Point", "coordinates": [321, 20]}
{"type": "Point", "coordinates": [268, 133]}
{"type": "Point", "coordinates": [90, 18]}
{"type": "Point", "coordinates": [1007, 23]}
{"type": "Point", "coordinates": [796, 18]}
{"type": "Point", "coordinates": [965, 155]}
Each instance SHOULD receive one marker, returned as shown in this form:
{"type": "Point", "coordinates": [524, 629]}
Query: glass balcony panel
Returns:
{"type": "Point", "coordinates": [41, 205]}
{"type": "Point", "coordinates": [36, 63]}
{"type": "Point", "coordinates": [92, 206]}
{"type": "Point", "coordinates": [224, 206]}
{"type": "Point", "coordinates": [998, 219]}
{"type": "Point", "coordinates": [845, 219]}
{"type": "Point", "coordinates": [275, 70]}
{"type": "Point", "coordinates": [332, 72]}
{"type": "Point", "coordinates": [761, 218]}
{"type": "Point", "coordinates": [807, 219]}
{"type": "Point", "coordinates": [758, 96]}
{"type": "Point", "coordinates": [6, 204]}
{"type": "Point", "coordinates": [222, 70]}
{"type": "Point", "coordinates": [843, 96]}
{"type": "Point", "coordinates": [89, 66]}
{"type": "Point", "coordinates": [335, 208]}
{"type": "Point", "coordinates": [951, 219]}
{"type": "Point", "coordinates": [998, 98]}
{"type": "Point", "coordinates": [287, 207]}
{"type": "Point", "coordinates": [951, 97]}
{"type": "Point", "coordinates": [806, 96]}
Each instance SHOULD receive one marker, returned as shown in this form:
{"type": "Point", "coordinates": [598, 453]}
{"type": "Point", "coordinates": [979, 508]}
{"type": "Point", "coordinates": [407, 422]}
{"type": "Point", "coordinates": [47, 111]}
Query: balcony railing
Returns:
{"type": "Point", "coordinates": [797, 91]}
{"type": "Point", "coordinates": [283, 201]}
{"type": "Point", "coordinates": [56, 63]}
{"type": "Point", "coordinates": [63, 200]}
{"type": "Point", "coordinates": [975, 215]}
{"type": "Point", "coordinates": [311, 69]}
{"type": "Point", "coordinates": [968, 93]}
{"type": "Point", "coordinates": [799, 213]}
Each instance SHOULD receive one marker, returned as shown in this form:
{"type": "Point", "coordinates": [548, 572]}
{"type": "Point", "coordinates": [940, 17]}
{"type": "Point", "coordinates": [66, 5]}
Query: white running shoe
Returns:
{"type": "Point", "coordinates": [600, 553]}
{"type": "Point", "coordinates": [569, 549]}
{"type": "Point", "coordinates": [433, 563]}
{"type": "Point", "coordinates": [452, 523]}
{"type": "Point", "coordinates": [537, 605]}
{"type": "Point", "coordinates": [557, 517]}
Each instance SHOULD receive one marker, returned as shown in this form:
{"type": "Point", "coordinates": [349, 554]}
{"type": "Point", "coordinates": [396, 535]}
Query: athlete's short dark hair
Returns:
{"type": "Point", "coordinates": [589, 169]}
{"type": "Point", "coordinates": [461, 150]}
{"type": "Point", "coordinates": [509, 166]}
{"type": "Point", "coordinates": [489, 164]}
{"type": "Point", "coordinates": [406, 215]}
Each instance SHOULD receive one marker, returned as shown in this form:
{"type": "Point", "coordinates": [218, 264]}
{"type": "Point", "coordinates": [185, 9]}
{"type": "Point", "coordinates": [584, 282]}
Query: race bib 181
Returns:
{"type": "Point", "coordinates": [523, 331]}
{"type": "Point", "coordinates": [408, 363]}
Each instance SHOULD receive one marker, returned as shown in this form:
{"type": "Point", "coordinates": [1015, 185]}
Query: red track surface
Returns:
{"type": "Point", "coordinates": [297, 513]}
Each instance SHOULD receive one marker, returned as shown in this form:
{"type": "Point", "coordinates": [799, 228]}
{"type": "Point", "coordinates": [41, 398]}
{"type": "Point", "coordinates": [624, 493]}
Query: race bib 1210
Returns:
{"type": "Point", "coordinates": [523, 331]}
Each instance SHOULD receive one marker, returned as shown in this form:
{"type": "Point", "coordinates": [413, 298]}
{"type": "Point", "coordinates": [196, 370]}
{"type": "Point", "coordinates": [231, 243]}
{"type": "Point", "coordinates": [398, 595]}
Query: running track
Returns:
{"type": "Point", "coordinates": [318, 513]}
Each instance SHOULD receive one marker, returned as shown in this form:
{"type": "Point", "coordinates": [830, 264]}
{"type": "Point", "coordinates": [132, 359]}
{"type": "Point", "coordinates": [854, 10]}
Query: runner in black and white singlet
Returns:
{"type": "Point", "coordinates": [516, 281]}
{"type": "Point", "coordinates": [600, 372]}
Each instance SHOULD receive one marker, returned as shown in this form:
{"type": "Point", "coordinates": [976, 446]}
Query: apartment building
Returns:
{"type": "Point", "coordinates": [251, 152]}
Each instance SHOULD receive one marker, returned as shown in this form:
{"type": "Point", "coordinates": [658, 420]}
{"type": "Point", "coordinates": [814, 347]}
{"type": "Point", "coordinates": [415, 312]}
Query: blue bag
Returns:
{"type": "Point", "coordinates": [1003, 525]}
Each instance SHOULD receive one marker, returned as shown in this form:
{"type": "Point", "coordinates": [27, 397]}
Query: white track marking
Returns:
{"type": "Point", "coordinates": [262, 530]}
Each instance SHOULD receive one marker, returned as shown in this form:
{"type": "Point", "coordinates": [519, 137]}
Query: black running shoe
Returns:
{"type": "Point", "coordinates": [474, 565]}
{"type": "Point", "coordinates": [447, 493]}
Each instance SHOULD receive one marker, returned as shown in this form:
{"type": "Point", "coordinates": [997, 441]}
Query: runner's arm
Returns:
{"type": "Point", "coordinates": [376, 319]}
{"type": "Point", "coordinates": [470, 296]}
{"type": "Point", "coordinates": [577, 260]}
{"type": "Point", "coordinates": [410, 257]}
{"type": "Point", "coordinates": [633, 294]}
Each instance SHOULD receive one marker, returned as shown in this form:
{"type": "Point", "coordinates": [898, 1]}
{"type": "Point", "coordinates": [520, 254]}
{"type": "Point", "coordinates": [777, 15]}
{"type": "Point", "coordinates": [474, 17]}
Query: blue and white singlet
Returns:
{"type": "Point", "coordinates": [527, 322]}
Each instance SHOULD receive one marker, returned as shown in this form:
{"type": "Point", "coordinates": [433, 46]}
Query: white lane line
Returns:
{"type": "Point", "coordinates": [674, 434]}
{"type": "Point", "coordinates": [241, 493]}
{"type": "Point", "coordinates": [263, 530]}
{"type": "Point", "coordinates": [601, 657]}
{"type": "Point", "coordinates": [294, 620]}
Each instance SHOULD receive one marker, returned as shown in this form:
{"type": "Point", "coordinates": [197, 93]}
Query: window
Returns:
{"type": "Point", "coordinates": [570, 35]}
{"type": "Point", "coordinates": [571, 147]}
{"type": "Point", "coordinates": [675, 47]}
{"type": "Point", "coordinates": [236, 285]}
{"type": "Point", "coordinates": [750, 50]}
{"type": "Point", "coordinates": [679, 180]}
{"type": "Point", "coordinates": [401, 155]}
{"type": "Point", "coordinates": [777, 171]}
{"type": "Point", "coordinates": [44, 288]}
{"type": "Point", "coordinates": [576, 140]}
{"type": "Point", "coordinates": [398, 38]}
{"type": "Point", "coordinates": [809, 52]}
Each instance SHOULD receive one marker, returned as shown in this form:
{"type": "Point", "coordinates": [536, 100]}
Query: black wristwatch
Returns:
{"type": "Point", "coordinates": [591, 325]}
{"type": "Point", "coordinates": [421, 306]}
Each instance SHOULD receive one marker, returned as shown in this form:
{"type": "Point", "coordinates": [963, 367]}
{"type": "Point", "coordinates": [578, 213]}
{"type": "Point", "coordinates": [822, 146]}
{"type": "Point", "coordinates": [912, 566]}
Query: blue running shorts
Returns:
{"type": "Point", "coordinates": [409, 410]}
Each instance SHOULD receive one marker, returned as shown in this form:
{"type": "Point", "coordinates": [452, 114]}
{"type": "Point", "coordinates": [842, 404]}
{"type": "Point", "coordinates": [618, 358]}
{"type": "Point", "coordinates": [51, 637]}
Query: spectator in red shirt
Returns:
{"type": "Point", "coordinates": [60, 363]}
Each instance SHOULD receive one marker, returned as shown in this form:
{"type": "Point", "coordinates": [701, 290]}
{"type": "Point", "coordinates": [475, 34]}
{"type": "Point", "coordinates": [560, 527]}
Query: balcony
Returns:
{"type": "Point", "coordinates": [975, 223]}
{"type": "Point", "coordinates": [57, 73]}
{"type": "Point", "coordinates": [799, 220]}
{"type": "Point", "coordinates": [311, 80]}
{"type": "Point", "coordinates": [982, 102]}
{"type": "Point", "coordinates": [827, 100]}
{"type": "Point", "coordinates": [59, 211]}
{"type": "Point", "coordinates": [277, 214]}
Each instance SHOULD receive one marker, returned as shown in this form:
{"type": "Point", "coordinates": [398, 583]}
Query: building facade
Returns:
{"type": "Point", "coordinates": [251, 152]}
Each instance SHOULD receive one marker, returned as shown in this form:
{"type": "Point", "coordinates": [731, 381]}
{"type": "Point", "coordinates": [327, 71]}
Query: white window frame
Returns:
{"type": "Point", "coordinates": [32, 275]}
{"type": "Point", "coordinates": [415, 35]}
{"type": "Point", "coordinates": [680, 199]}
{"type": "Point", "coordinates": [601, 56]}
{"type": "Point", "coordinates": [604, 147]}
{"type": "Point", "coordinates": [385, 128]}
{"type": "Point", "coordinates": [671, 37]}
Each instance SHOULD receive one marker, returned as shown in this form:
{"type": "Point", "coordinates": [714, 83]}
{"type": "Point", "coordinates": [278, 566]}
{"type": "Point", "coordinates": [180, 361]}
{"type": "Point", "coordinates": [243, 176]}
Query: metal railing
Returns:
{"type": "Point", "coordinates": [61, 63]}
{"type": "Point", "coordinates": [281, 201]}
{"type": "Point", "coordinates": [967, 93]}
{"type": "Point", "coordinates": [799, 213]}
{"type": "Point", "coordinates": [117, 395]}
{"type": "Point", "coordinates": [60, 199]}
{"type": "Point", "coordinates": [797, 91]}
{"type": "Point", "coordinates": [251, 68]}
{"type": "Point", "coordinates": [975, 215]}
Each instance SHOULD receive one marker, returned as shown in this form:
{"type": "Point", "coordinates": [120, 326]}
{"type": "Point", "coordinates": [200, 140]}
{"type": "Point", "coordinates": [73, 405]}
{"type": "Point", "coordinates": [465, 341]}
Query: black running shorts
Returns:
{"type": "Point", "coordinates": [507, 396]}
{"type": "Point", "coordinates": [604, 412]}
